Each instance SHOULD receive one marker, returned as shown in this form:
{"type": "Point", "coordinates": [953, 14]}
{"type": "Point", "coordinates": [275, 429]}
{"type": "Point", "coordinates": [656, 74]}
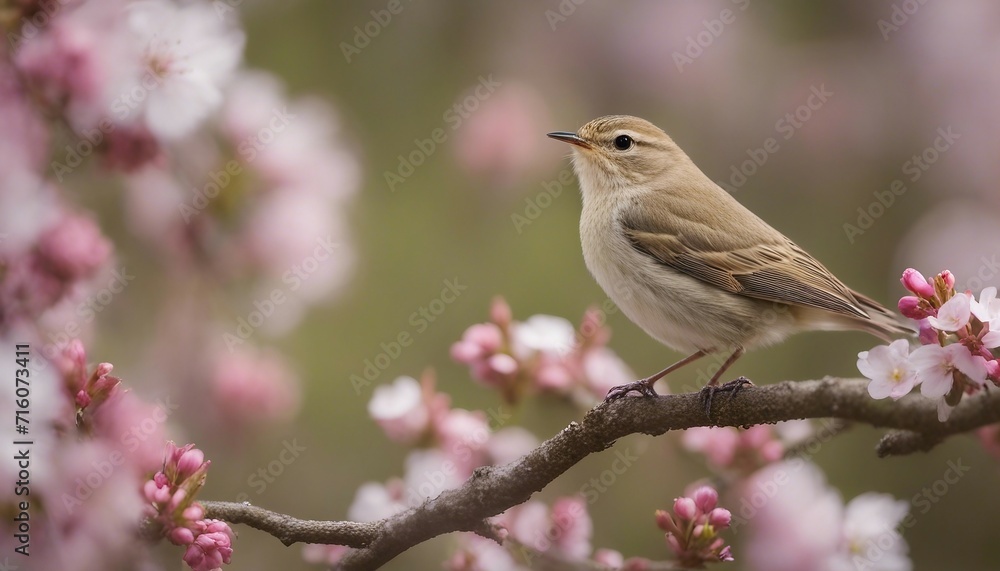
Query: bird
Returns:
{"type": "Point", "coordinates": [691, 266]}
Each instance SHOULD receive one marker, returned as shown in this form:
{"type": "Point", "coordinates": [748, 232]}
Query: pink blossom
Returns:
{"type": "Point", "coordinates": [989, 437]}
{"type": "Point", "coordinates": [927, 335]}
{"type": "Point", "coordinates": [609, 558]}
{"type": "Point", "coordinates": [191, 52]}
{"type": "Point", "coordinates": [497, 141]}
{"type": "Point", "coordinates": [542, 334]}
{"type": "Point", "coordinates": [604, 369]}
{"type": "Point", "coordinates": [212, 546]}
{"type": "Point", "coordinates": [374, 501]}
{"type": "Point", "coordinates": [565, 530]}
{"type": "Point", "coordinates": [917, 283]}
{"type": "Point", "coordinates": [953, 315]}
{"type": "Point", "coordinates": [428, 472]}
{"type": "Point", "coordinates": [500, 312]}
{"type": "Point", "coordinates": [693, 528]}
{"type": "Point", "coordinates": [508, 444]}
{"type": "Point", "coordinates": [323, 554]}
{"type": "Point", "coordinates": [873, 519]}
{"type": "Point", "coordinates": [463, 436]}
{"type": "Point", "coordinates": [914, 307]}
{"type": "Point", "coordinates": [889, 367]}
{"type": "Point", "coordinates": [798, 526]}
{"type": "Point", "coordinates": [400, 410]}
{"type": "Point", "coordinates": [936, 365]}
{"type": "Point", "coordinates": [728, 448]}
{"type": "Point", "coordinates": [73, 248]}
{"type": "Point", "coordinates": [254, 387]}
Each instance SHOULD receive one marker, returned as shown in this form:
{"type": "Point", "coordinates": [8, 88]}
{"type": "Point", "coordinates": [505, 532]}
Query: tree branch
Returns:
{"type": "Point", "coordinates": [493, 489]}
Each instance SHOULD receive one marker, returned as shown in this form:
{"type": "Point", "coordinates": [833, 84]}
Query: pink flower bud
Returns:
{"type": "Point", "coordinates": [500, 312]}
{"type": "Point", "coordinates": [486, 335]}
{"type": "Point", "coordinates": [194, 512]}
{"type": "Point", "coordinates": [993, 370]}
{"type": "Point", "coordinates": [720, 518]}
{"type": "Point", "coordinates": [189, 463]}
{"type": "Point", "coordinates": [664, 521]}
{"type": "Point", "coordinates": [698, 530]}
{"type": "Point", "coordinates": [916, 283]}
{"type": "Point", "coordinates": [947, 278]}
{"type": "Point", "coordinates": [928, 335]}
{"type": "Point", "coordinates": [82, 399]}
{"type": "Point", "coordinates": [706, 498]}
{"type": "Point", "coordinates": [910, 307]}
{"type": "Point", "coordinates": [181, 536]}
{"type": "Point", "coordinates": [685, 508]}
{"type": "Point", "coordinates": [503, 363]}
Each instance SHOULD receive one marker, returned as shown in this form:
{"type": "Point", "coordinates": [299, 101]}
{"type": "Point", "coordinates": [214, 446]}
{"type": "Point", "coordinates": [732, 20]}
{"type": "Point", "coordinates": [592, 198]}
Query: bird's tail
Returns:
{"type": "Point", "coordinates": [883, 323]}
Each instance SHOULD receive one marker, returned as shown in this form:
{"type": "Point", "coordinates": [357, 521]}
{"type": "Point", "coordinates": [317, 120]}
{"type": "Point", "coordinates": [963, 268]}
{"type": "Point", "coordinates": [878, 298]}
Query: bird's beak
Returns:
{"type": "Point", "coordinates": [571, 138]}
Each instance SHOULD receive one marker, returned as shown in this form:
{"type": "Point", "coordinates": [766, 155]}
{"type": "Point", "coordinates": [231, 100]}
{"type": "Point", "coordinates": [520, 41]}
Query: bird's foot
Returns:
{"type": "Point", "coordinates": [732, 387]}
{"type": "Point", "coordinates": [643, 387]}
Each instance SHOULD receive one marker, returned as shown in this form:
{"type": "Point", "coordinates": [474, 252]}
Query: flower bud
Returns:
{"type": "Point", "coordinates": [706, 498]}
{"type": "Point", "coordinates": [720, 518]}
{"type": "Point", "coordinates": [916, 283]}
{"type": "Point", "coordinates": [910, 306]}
{"type": "Point", "coordinates": [685, 508]}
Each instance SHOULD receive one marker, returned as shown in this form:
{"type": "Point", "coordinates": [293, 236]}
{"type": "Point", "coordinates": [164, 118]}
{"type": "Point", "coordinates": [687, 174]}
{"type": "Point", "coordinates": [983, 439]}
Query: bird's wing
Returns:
{"type": "Point", "coordinates": [735, 253]}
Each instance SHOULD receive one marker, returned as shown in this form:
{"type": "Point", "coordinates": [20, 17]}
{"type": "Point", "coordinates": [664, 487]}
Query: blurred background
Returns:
{"type": "Point", "coordinates": [440, 116]}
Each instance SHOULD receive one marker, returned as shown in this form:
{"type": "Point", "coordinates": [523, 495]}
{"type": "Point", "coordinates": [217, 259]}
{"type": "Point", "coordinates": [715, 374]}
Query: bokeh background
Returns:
{"type": "Point", "coordinates": [895, 74]}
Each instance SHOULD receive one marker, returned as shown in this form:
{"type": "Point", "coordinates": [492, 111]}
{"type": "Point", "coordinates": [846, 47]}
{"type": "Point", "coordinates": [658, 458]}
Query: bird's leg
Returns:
{"type": "Point", "coordinates": [645, 386]}
{"type": "Point", "coordinates": [732, 386]}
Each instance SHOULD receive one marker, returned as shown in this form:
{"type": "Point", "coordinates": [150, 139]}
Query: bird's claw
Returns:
{"type": "Point", "coordinates": [643, 387]}
{"type": "Point", "coordinates": [732, 387]}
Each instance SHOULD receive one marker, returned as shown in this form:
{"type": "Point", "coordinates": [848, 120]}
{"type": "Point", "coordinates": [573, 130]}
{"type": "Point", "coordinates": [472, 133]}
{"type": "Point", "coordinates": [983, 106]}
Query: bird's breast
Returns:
{"type": "Point", "coordinates": [674, 308]}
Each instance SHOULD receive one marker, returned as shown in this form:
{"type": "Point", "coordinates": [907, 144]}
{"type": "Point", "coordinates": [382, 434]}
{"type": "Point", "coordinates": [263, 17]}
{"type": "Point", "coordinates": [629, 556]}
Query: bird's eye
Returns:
{"type": "Point", "coordinates": [623, 142]}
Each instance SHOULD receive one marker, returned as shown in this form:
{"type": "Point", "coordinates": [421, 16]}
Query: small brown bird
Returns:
{"type": "Point", "coordinates": [689, 264]}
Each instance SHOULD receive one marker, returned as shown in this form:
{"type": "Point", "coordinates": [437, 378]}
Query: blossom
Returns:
{"type": "Point", "coordinates": [374, 501]}
{"type": "Point", "coordinates": [693, 528]}
{"type": "Point", "coordinates": [211, 547]}
{"type": "Point", "coordinates": [870, 532]}
{"type": "Point", "coordinates": [400, 410]}
{"type": "Point", "coordinates": [564, 530]}
{"type": "Point", "coordinates": [546, 334]}
{"type": "Point", "coordinates": [254, 387]}
{"type": "Point", "coordinates": [953, 315]}
{"type": "Point", "coordinates": [189, 53]}
{"type": "Point", "coordinates": [509, 444]}
{"type": "Point", "coordinates": [889, 368]}
{"type": "Point", "coordinates": [740, 452]}
{"type": "Point", "coordinates": [801, 524]}
{"type": "Point", "coordinates": [935, 367]}
{"type": "Point", "coordinates": [989, 437]}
